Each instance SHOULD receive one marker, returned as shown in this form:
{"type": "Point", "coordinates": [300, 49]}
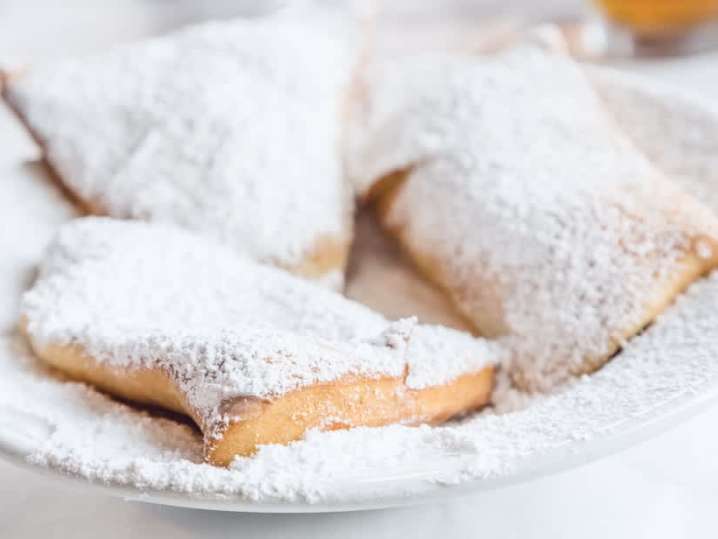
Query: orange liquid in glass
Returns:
{"type": "Point", "coordinates": [659, 16]}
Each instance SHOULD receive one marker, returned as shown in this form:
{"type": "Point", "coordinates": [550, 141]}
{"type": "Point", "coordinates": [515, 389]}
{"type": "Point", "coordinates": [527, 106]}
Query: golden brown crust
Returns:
{"type": "Point", "coordinates": [351, 401]}
{"type": "Point", "coordinates": [345, 403]}
{"type": "Point", "coordinates": [146, 386]}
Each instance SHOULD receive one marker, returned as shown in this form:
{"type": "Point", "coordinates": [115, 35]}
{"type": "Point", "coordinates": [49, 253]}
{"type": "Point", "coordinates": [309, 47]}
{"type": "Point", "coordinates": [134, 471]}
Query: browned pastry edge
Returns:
{"type": "Point", "coordinates": [350, 401]}
{"type": "Point", "coordinates": [383, 195]}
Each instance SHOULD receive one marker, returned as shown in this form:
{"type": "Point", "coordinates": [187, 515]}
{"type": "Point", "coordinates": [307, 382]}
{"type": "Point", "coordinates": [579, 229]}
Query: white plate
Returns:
{"type": "Point", "coordinates": [382, 490]}
{"type": "Point", "coordinates": [31, 209]}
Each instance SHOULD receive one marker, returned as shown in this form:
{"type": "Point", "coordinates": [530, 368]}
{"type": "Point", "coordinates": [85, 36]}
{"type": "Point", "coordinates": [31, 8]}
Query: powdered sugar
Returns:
{"type": "Point", "coordinates": [71, 428]}
{"type": "Point", "coordinates": [133, 294]}
{"type": "Point", "coordinates": [91, 436]}
{"type": "Point", "coordinates": [231, 129]}
{"type": "Point", "coordinates": [546, 225]}
{"type": "Point", "coordinates": [678, 131]}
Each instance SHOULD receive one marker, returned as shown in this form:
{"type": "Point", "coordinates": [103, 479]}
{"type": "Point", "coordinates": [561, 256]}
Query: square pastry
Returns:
{"type": "Point", "coordinates": [511, 187]}
{"type": "Point", "coordinates": [231, 129]}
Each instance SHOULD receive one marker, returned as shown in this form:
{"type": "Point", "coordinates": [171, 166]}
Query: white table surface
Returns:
{"type": "Point", "coordinates": [664, 488]}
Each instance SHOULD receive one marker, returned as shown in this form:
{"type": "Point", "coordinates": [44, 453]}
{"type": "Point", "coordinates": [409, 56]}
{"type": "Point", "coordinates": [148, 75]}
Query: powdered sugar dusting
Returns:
{"type": "Point", "coordinates": [93, 437]}
{"type": "Point", "coordinates": [87, 434]}
{"type": "Point", "coordinates": [678, 131]}
{"type": "Point", "coordinates": [546, 225]}
{"type": "Point", "coordinates": [231, 129]}
{"type": "Point", "coordinates": [222, 326]}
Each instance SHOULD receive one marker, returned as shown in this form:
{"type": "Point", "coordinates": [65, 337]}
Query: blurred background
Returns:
{"type": "Point", "coordinates": [614, 31]}
{"type": "Point", "coordinates": [39, 29]}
